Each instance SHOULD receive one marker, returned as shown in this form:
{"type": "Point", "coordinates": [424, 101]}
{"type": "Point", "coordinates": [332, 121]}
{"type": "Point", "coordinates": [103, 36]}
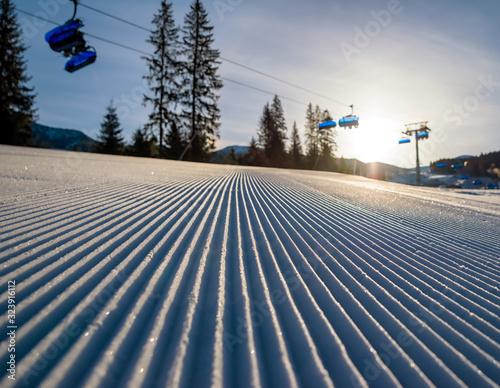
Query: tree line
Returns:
{"type": "Point", "coordinates": [182, 76]}
{"type": "Point", "coordinates": [274, 147]}
{"type": "Point", "coordinates": [482, 165]}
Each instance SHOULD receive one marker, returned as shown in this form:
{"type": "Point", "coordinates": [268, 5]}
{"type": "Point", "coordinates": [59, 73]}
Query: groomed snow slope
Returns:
{"type": "Point", "coordinates": [134, 272]}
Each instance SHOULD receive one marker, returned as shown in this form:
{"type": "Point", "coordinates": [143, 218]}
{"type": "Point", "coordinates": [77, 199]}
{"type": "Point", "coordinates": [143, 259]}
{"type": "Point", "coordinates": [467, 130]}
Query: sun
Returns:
{"type": "Point", "coordinates": [373, 141]}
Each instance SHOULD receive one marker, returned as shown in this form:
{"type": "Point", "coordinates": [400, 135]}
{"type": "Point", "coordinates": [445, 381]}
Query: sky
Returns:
{"type": "Point", "coordinates": [397, 61]}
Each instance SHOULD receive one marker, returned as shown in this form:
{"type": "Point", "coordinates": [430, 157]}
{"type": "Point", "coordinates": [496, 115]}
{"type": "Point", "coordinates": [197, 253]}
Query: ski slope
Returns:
{"type": "Point", "coordinates": [134, 272]}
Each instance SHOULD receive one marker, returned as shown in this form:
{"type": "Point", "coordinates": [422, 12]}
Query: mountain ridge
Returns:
{"type": "Point", "coordinates": [44, 136]}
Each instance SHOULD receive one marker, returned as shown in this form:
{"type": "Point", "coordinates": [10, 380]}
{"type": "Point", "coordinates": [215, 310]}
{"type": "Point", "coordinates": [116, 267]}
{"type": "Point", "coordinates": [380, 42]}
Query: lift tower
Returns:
{"type": "Point", "coordinates": [421, 132]}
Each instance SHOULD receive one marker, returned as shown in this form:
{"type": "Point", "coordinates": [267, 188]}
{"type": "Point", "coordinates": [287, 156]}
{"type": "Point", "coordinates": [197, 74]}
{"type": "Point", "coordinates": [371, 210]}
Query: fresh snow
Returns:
{"type": "Point", "coordinates": [135, 272]}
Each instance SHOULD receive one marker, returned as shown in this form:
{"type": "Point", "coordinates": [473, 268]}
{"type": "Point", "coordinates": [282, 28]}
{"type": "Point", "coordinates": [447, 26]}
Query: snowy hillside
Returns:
{"type": "Point", "coordinates": [133, 272]}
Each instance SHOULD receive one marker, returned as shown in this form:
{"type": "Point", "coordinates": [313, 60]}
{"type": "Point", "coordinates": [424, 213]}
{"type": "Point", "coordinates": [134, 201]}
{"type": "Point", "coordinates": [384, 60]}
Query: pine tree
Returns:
{"type": "Point", "coordinates": [110, 140]}
{"type": "Point", "coordinates": [278, 152]}
{"type": "Point", "coordinates": [320, 145]}
{"type": "Point", "coordinates": [295, 148]}
{"type": "Point", "coordinates": [311, 136]}
{"type": "Point", "coordinates": [164, 72]}
{"type": "Point", "coordinates": [231, 158]}
{"type": "Point", "coordinates": [272, 133]}
{"type": "Point", "coordinates": [143, 143]}
{"type": "Point", "coordinates": [265, 132]}
{"type": "Point", "coordinates": [254, 155]}
{"type": "Point", "coordinates": [327, 144]}
{"type": "Point", "coordinates": [16, 98]}
{"type": "Point", "coordinates": [200, 83]}
{"type": "Point", "coordinates": [481, 165]}
{"type": "Point", "coordinates": [175, 142]}
{"type": "Point", "coordinates": [139, 143]}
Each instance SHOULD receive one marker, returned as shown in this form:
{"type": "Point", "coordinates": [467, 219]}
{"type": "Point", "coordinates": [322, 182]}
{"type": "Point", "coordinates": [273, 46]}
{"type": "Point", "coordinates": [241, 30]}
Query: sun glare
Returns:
{"type": "Point", "coordinates": [372, 141]}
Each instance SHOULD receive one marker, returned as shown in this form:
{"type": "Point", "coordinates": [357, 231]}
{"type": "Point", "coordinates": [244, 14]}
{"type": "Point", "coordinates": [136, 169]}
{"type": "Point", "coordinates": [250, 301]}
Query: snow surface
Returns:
{"type": "Point", "coordinates": [135, 272]}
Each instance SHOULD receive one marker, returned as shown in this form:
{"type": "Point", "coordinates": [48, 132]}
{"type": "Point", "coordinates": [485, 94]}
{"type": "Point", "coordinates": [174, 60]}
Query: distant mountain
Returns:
{"type": "Point", "coordinates": [220, 155]}
{"type": "Point", "coordinates": [374, 170]}
{"type": "Point", "coordinates": [61, 139]}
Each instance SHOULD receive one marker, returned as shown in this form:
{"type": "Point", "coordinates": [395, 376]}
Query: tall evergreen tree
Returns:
{"type": "Point", "coordinates": [164, 72]}
{"type": "Point", "coordinates": [343, 168]}
{"type": "Point", "coordinates": [272, 133]}
{"type": "Point", "coordinates": [320, 144]}
{"type": "Point", "coordinates": [279, 135]}
{"type": "Point", "coordinates": [265, 132]}
{"type": "Point", "coordinates": [327, 144]}
{"type": "Point", "coordinates": [312, 146]}
{"type": "Point", "coordinates": [295, 148]}
{"type": "Point", "coordinates": [110, 140]}
{"type": "Point", "coordinates": [200, 83]}
{"type": "Point", "coordinates": [16, 98]}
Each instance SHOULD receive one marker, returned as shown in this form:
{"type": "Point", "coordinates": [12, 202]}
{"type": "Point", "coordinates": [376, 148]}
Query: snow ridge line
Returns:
{"type": "Point", "coordinates": [60, 204]}
{"type": "Point", "coordinates": [77, 259]}
{"type": "Point", "coordinates": [86, 205]}
{"type": "Point", "coordinates": [417, 228]}
{"type": "Point", "coordinates": [88, 226]}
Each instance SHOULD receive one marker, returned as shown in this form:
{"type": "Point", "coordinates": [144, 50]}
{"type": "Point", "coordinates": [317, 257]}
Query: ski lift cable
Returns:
{"type": "Point", "coordinates": [237, 63]}
{"type": "Point", "coordinates": [114, 17]}
{"type": "Point", "coordinates": [117, 44]}
{"type": "Point", "coordinates": [148, 54]}
{"type": "Point", "coordinates": [263, 91]}
{"type": "Point", "coordinates": [85, 33]}
{"type": "Point", "coordinates": [226, 59]}
{"type": "Point", "coordinates": [281, 80]}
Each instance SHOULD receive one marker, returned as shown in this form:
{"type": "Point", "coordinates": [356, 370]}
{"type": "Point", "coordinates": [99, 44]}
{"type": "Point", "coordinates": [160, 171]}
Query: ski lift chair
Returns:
{"type": "Point", "coordinates": [81, 59]}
